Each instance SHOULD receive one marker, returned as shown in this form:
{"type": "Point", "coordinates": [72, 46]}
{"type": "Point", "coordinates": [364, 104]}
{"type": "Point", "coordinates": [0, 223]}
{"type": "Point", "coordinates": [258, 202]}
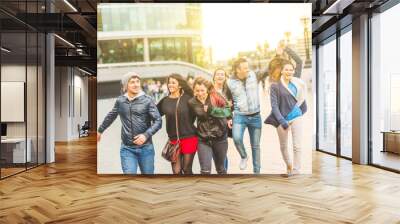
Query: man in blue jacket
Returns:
{"type": "Point", "coordinates": [140, 120]}
{"type": "Point", "coordinates": [243, 85]}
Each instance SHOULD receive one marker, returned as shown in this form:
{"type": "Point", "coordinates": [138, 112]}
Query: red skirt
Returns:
{"type": "Point", "coordinates": [188, 145]}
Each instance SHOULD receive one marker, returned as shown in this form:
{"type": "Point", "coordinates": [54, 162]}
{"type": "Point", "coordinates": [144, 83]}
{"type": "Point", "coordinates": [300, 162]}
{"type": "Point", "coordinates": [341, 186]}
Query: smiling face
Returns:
{"type": "Point", "coordinates": [133, 86]}
{"type": "Point", "coordinates": [173, 85]}
{"type": "Point", "coordinates": [287, 72]}
{"type": "Point", "coordinates": [200, 91]}
{"type": "Point", "coordinates": [219, 76]}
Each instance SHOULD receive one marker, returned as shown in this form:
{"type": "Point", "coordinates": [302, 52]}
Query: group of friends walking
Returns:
{"type": "Point", "coordinates": [201, 117]}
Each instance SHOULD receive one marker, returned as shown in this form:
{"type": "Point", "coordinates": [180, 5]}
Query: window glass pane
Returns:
{"type": "Point", "coordinates": [327, 97]}
{"type": "Point", "coordinates": [169, 49]}
{"type": "Point", "coordinates": [31, 99]}
{"type": "Point", "coordinates": [156, 50]}
{"type": "Point", "coordinates": [385, 84]}
{"type": "Point", "coordinates": [14, 153]}
{"type": "Point", "coordinates": [117, 51]}
{"type": "Point", "coordinates": [41, 99]}
{"type": "Point", "coordinates": [130, 17]}
{"type": "Point", "coordinates": [346, 93]}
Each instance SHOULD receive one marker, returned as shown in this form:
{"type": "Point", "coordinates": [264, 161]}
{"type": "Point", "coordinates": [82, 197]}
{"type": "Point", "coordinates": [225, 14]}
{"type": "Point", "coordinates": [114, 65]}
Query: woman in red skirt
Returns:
{"type": "Point", "coordinates": [178, 87]}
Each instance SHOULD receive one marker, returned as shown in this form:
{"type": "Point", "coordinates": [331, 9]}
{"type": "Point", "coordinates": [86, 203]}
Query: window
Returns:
{"type": "Point", "coordinates": [170, 49]}
{"type": "Point", "coordinates": [156, 50]}
{"type": "Point", "coordinates": [346, 94]}
{"type": "Point", "coordinates": [22, 65]}
{"type": "Point", "coordinates": [327, 96]}
{"type": "Point", "coordinates": [130, 17]}
{"type": "Point", "coordinates": [385, 89]}
{"type": "Point", "coordinates": [124, 50]}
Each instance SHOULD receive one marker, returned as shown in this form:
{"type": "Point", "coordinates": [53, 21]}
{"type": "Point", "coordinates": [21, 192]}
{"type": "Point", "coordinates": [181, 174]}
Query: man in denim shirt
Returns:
{"type": "Point", "coordinates": [140, 120]}
{"type": "Point", "coordinates": [243, 85]}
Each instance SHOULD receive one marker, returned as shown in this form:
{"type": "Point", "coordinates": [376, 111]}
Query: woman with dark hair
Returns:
{"type": "Point", "coordinates": [179, 91]}
{"type": "Point", "coordinates": [211, 110]}
{"type": "Point", "coordinates": [288, 106]}
{"type": "Point", "coordinates": [190, 80]}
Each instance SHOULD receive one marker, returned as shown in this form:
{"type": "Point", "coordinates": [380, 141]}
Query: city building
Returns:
{"type": "Point", "coordinates": [156, 38]}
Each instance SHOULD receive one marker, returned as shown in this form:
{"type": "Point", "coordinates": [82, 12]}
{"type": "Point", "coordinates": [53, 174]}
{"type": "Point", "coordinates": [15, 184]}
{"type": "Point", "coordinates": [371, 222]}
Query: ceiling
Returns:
{"type": "Point", "coordinates": [74, 22]}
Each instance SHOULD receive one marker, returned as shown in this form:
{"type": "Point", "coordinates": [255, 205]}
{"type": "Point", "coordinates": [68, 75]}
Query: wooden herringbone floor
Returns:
{"type": "Point", "coordinates": [70, 191]}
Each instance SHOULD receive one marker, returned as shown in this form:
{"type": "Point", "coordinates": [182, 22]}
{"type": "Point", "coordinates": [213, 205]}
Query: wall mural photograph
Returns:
{"type": "Point", "coordinates": [195, 88]}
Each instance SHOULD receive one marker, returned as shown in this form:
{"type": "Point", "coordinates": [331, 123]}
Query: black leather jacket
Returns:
{"type": "Point", "coordinates": [139, 116]}
{"type": "Point", "coordinates": [208, 126]}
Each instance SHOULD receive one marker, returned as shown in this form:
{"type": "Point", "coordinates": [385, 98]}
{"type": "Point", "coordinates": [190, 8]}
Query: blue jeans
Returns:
{"type": "Point", "coordinates": [132, 157]}
{"type": "Point", "coordinates": [253, 123]}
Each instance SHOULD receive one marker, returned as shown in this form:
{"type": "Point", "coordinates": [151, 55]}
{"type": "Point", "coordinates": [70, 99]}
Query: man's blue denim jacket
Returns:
{"type": "Point", "coordinates": [245, 94]}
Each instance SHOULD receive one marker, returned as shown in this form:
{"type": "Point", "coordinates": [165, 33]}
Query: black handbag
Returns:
{"type": "Point", "coordinates": [171, 151]}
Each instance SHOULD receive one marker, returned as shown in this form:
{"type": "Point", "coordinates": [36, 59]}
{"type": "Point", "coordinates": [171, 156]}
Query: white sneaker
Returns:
{"type": "Point", "coordinates": [243, 163]}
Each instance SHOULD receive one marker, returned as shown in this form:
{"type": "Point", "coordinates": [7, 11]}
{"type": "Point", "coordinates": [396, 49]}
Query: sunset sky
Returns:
{"type": "Point", "coordinates": [234, 27]}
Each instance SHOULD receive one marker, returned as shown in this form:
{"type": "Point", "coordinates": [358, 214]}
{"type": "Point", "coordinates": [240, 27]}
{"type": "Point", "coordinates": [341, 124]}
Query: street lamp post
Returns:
{"type": "Point", "coordinates": [307, 63]}
{"type": "Point", "coordinates": [287, 35]}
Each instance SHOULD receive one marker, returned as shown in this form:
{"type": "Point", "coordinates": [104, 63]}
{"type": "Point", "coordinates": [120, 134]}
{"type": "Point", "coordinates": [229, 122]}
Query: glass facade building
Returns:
{"type": "Point", "coordinates": [117, 51]}
{"type": "Point", "coordinates": [142, 17]}
{"type": "Point", "coordinates": [144, 33]}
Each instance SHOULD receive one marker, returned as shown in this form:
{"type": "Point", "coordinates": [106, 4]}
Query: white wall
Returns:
{"type": "Point", "coordinates": [33, 126]}
{"type": "Point", "coordinates": [14, 73]}
{"type": "Point", "coordinates": [71, 94]}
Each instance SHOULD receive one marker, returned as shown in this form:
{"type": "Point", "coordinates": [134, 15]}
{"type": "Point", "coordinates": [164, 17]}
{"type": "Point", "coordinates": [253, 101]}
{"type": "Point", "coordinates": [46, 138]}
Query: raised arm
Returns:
{"type": "Point", "coordinates": [297, 59]}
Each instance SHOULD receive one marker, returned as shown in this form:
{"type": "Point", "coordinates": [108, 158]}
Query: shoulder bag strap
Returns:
{"type": "Point", "coordinates": [176, 118]}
